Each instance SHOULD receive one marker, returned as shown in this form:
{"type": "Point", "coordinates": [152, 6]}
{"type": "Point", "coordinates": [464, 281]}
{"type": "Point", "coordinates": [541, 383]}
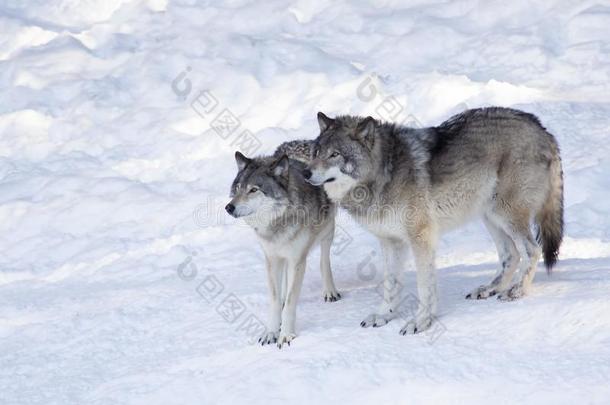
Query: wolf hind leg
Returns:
{"type": "Point", "coordinates": [329, 293]}
{"type": "Point", "coordinates": [509, 260]}
{"type": "Point", "coordinates": [518, 228]}
{"type": "Point", "coordinates": [531, 273]}
{"type": "Point", "coordinates": [527, 268]}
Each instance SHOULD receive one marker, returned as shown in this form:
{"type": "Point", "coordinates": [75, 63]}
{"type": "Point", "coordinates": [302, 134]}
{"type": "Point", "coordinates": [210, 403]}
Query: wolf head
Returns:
{"type": "Point", "coordinates": [342, 154]}
{"type": "Point", "coordinates": [259, 187]}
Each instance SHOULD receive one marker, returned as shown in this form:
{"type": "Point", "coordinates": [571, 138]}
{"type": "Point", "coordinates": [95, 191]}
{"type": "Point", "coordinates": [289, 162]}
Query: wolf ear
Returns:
{"type": "Point", "coordinates": [324, 121]}
{"type": "Point", "coordinates": [365, 131]}
{"type": "Point", "coordinates": [280, 167]}
{"type": "Point", "coordinates": [241, 160]}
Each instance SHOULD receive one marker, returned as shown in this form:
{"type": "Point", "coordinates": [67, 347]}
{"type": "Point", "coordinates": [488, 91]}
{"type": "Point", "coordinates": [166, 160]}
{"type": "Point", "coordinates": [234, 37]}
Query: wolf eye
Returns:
{"type": "Point", "coordinates": [334, 154]}
{"type": "Point", "coordinates": [253, 190]}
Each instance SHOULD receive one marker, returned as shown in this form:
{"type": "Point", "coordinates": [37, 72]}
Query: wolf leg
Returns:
{"type": "Point", "coordinates": [330, 293]}
{"type": "Point", "coordinates": [275, 270]}
{"type": "Point", "coordinates": [509, 259]}
{"type": "Point", "coordinates": [530, 254]}
{"type": "Point", "coordinates": [394, 260]}
{"type": "Point", "coordinates": [423, 245]}
{"type": "Point", "coordinates": [531, 273]}
{"type": "Point", "coordinates": [518, 228]}
{"type": "Point", "coordinates": [294, 280]}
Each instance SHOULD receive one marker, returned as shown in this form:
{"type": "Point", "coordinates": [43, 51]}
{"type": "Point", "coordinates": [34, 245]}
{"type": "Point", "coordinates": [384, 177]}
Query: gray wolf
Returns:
{"type": "Point", "coordinates": [407, 186]}
{"type": "Point", "coordinates": [289, 216]}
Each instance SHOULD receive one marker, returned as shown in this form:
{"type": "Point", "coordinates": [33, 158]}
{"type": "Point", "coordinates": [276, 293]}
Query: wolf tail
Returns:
{"type": "Point", "coordinates": [550, 217]}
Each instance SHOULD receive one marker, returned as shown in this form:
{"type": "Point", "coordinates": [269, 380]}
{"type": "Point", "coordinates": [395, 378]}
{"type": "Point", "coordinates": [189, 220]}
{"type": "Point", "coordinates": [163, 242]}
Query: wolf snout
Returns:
{"type": "Point", "coordinates": [230, 208]}
{"type": "Point", "coordinates": [307, 174]}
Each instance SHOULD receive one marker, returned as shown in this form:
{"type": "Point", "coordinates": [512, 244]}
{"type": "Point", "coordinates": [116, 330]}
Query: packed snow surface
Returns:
{"type": "Point", "coordinates": [122, 281]}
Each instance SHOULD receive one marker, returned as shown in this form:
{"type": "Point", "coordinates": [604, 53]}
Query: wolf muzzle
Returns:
{"type": "Point", "coordinates": [230, 208]}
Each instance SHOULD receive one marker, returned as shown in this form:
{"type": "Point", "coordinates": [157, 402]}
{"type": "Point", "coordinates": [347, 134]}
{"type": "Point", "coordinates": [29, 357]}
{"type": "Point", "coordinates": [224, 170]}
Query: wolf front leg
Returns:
{"type": "Point", "coordinates": [394, 260]}
{"type": "Point", "coordinates": [275, 270]}
{"type": "Point", "coordinates": [423, 244]}
{"type": "Point", "coordinates": [295, 271]}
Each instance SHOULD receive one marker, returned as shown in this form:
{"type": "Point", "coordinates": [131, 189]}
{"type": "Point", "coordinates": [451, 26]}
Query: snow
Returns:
{"type": "Point", "coordinates": [114, 242]}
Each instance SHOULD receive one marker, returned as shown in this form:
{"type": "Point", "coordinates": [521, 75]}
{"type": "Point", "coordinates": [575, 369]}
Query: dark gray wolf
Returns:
{"type": "Point", "coordinates": [408, 185]}
{"type": "Point", "coordinates": [289, 216]}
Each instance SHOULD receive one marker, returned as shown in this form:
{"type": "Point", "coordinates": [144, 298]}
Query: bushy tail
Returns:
{"type": "Point", "coordinates": [550, 218]}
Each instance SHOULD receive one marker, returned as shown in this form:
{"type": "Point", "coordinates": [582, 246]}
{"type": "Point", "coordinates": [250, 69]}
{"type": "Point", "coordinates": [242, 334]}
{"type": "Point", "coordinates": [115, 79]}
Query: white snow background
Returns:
{"type": "Point", "coordinates": [112, 189]}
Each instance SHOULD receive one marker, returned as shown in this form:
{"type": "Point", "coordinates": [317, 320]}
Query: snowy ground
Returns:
{"type": "Point", "coordinates": [113, 179]}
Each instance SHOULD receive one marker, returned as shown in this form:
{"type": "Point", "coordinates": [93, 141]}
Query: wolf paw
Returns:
{"type": "Point", "coordinates": [481, 293]}
{"type": "Point", "coordinates": [416, 326]}
{"type": "Point", "coordinates": [513, 293]}
{"type": "Point", "coordinates": [331, 296]}
{"type": "Point", "coordinates": [285, 338]}
{"type": "Point", "coordinates": [376, 320]}
{"type": "Point", "coordinates": [267, 338]}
